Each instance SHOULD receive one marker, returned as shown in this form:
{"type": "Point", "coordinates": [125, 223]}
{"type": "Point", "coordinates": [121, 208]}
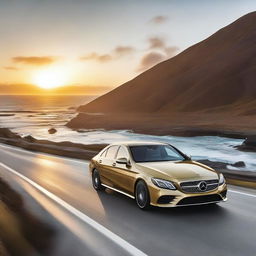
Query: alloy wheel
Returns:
{"type": "Point", "coordinates": [142, 195]}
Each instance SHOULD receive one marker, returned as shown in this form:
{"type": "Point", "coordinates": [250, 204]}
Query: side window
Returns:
{"type": "Point", "coordinates": [103, 154]}
{"type": "Point", "coordinates": [122, 153]}
{"type": "Point", "coordinates": [111, 153]}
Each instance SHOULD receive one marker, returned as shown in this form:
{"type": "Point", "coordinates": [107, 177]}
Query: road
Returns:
{"type": "Point", "coordinates": [214, 230]}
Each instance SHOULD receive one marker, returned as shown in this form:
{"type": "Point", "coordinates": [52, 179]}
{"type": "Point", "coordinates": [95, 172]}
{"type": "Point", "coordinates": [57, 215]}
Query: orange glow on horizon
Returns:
{"type": "Point", "coordinates": [51, 77]}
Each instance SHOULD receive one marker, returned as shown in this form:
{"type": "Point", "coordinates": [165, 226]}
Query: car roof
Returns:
{"type": "Point", "coordinates": [138, 143]}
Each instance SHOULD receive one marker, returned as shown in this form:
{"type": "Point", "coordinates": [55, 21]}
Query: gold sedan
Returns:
{"type": "Point", "coordinates": [156, 174]}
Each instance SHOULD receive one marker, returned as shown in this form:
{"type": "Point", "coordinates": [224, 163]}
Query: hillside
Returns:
{"type": "Point", "coordinates": [215, 76]}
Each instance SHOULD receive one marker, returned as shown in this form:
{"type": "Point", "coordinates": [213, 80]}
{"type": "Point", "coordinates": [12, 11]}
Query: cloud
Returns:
{"type": "Point", "coordinates": [97, 57]}
{"type": "Point", "coordinates": [160, 19]}
{"type": "Point", "coordinates": [171, 51]}
{"type": "Point", "coordinates": [160, 44]}
{"type": "Point", "coordinates": [156, 42]}
{"type": "Point", "coordinates": [116, 53]}
{"type": "Point", "coordinates": [123, 50]}
{"type": "Point", "coordinates": [159, 51]}
{"type": "Point", "coordinates": [34, 60]}
{"type": "Point", "coordinates": [149, 60]}
{"type": "Point", "coordinates": [11, 68]}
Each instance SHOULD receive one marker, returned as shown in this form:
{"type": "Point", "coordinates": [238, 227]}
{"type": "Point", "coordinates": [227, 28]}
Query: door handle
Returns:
{"type": "Point", "coordinates": [114, 164]}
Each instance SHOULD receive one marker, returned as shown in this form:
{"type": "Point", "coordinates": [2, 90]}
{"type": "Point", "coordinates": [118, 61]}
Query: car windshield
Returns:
{"type": "Point", "coordinates": [155, 153]}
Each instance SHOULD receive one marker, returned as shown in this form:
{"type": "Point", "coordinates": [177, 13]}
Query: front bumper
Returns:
{"type": "Point", "coordinates": [174, 198]}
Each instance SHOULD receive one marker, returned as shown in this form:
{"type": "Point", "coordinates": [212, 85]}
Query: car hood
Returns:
{"type": "Point", "coordinates": [178, 171]}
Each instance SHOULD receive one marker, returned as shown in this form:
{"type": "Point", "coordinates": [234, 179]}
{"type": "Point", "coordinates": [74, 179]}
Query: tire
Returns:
{"type": "Point", "coordinates": [96, 182]}
{"type": "Point", "coordinates": [142, 196]}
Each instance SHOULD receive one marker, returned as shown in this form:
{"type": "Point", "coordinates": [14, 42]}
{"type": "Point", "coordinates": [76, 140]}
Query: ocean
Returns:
{"type": "Point", "coordinates": [34, 115]}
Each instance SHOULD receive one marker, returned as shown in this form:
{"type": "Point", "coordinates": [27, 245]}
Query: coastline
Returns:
{"type": "Point", "coordinates": [177, 124]}
{"type": "Point", "coordinates": [66, 148]}
{"type": "Point", "coordinates": [86, 152]}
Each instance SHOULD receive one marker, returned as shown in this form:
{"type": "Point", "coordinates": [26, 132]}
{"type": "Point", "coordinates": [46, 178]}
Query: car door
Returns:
{"type": "Point", "coordinates": [124, 176]}
{"type": "Point", "coordinates": [107, 166]}
{"type": "Point", "coordinates": [101, 167]}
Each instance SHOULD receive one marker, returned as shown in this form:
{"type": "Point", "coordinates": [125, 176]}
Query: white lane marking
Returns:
{"type": "Point", "coordinates": [241, 193]}
{"type": "Point", "coordinates": [42, 153]}
{"type": "Point", "coordinates": [106, 232]}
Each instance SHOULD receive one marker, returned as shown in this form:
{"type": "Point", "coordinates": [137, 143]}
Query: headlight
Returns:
{"type": "Point", "coordinates": [163, 184]}
{"type": "Point", "coordinates": [222, 179]}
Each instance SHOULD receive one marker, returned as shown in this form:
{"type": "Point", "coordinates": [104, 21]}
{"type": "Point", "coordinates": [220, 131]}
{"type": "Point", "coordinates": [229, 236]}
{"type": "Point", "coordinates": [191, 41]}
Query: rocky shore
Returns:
{"type": "Point", "coordinates": [176, 124]}
{"type": "Point", "coordinates": [248, 145]}
{"type": "Point", "coordinates": [66, 148]}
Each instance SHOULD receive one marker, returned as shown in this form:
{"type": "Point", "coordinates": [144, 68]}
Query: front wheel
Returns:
{"type": "Point", "coordinates": [142, 195]}
{"type": "Point", "coordinates": [96, 182]}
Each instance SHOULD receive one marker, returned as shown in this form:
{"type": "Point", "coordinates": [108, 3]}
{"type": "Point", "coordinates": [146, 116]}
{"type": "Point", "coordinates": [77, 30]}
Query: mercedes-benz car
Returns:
{"type": "Point", "coordinates": [156, 174]}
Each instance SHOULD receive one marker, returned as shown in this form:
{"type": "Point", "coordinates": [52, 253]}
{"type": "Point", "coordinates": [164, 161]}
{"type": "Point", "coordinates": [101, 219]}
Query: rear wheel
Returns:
{"type": "Point", "coordinates": [96, 182]}
{"type": "Point", "coordinates": [142, 195]}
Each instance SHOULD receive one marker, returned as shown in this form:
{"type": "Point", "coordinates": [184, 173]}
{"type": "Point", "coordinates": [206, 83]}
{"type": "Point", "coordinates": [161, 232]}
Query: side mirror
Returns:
{"type": "Point", "coordinates": [123, 160]}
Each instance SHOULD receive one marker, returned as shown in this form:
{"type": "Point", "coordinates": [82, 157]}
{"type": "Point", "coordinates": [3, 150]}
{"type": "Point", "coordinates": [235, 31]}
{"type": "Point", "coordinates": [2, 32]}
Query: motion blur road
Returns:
{"type": "Point", "coordinates": [225, 229]}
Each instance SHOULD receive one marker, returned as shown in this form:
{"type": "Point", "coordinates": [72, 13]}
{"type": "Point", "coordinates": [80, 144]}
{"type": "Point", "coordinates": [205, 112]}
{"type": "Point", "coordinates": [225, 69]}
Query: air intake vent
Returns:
{"type": "Point", "coordinates": [200, 199]}
{"type": "Point", "coordinates": [165, 199]}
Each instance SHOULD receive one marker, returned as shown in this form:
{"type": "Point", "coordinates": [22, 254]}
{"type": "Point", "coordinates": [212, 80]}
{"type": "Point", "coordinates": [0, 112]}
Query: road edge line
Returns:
{"type": "Point", "coordinates": [97, 226]}
{"type": "Point", "coordinates": [241, 193]}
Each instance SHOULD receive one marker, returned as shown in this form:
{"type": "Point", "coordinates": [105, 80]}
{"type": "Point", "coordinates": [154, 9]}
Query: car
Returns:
{"type": "Point", "coordinates": [156, 174]}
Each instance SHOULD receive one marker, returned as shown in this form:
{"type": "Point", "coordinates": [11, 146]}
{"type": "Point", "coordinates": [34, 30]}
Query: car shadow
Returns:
{"type": "Point", "coordinates": [113, 201]}
{"type": "Point", "coordinates": [161, 230]}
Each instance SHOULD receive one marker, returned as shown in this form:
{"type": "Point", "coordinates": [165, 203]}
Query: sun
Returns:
{"type": "Point", "coordinates": [51, 77]}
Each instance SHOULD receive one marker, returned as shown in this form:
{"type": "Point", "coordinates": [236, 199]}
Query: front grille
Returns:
{"type": "Point", "coordinates": [200, 199]}
{"type": "Point", "coordinates": [165, 199]}
{"type": "Point", "coordinates": [193, 186]}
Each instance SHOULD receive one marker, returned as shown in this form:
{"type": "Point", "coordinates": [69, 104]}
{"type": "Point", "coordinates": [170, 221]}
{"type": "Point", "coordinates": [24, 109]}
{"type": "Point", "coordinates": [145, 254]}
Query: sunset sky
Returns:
{"type": "Point", "coordinates": [101, 43]}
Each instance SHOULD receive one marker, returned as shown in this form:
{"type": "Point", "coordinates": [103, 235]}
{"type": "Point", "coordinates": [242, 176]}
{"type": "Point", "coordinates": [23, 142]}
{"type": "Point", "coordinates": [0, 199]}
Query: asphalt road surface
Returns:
{"type": "Point", "coordinates": [120, 228]}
